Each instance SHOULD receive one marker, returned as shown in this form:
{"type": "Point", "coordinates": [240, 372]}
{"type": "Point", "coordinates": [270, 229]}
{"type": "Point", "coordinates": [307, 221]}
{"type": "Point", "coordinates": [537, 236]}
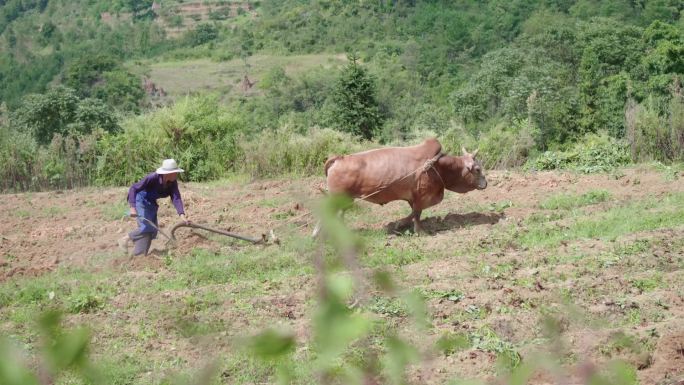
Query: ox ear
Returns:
{"type": "Point", "coordinates": [475, 152]}
{"type": "Point", "coordinates": [463, 150]}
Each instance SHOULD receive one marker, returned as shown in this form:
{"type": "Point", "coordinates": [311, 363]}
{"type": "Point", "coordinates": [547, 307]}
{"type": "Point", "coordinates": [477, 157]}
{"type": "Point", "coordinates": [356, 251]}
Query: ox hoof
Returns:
{"type": "Point", "coordinates": [398, 230]}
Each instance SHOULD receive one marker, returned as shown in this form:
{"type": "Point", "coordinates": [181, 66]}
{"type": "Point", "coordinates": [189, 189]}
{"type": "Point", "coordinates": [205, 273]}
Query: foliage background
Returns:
{"type": "Point", "coordinates": [516, 78]}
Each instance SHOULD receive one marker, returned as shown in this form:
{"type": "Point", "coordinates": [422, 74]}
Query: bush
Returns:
{"type": "Point", "coordinates": [67, 162]}
{"type": "Point", "coordinates": [61, 111]}
{"type": "Point", "coordinates": [203, 33]}
{"type": "Point", "coordinates": [594, 153]}
{"type": "Point", "coordinates": [197, 132]}
{"type": "Point", "coordinates": [286, 152]}
{"type": "Point", "coordinates": [503, 146]}
{"type": "Point", "coordinates": [17, 156]}
{"type": "Point", "coordinates": [653, 136]}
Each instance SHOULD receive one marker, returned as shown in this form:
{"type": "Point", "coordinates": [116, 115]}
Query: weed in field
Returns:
{"type": "Point", "coordinates": [647, 284]}
{"type": "Point", "coordinates": [540, 217]}
{"type": "Point", "coordinates": [486, 339]}
{"type": "Point", "coordinates": [499, 207]}
{"type": "Point", "coordinates": [609, 260]}
{"type": "Point", "coordinates": [121, 370]}
{"type": "Point", "coordinates": [619, 342]}
{"type": "Point", "coordinates": [85, 303]}
{"type": "Point", "coordinates": [270, 202]}
{"type": "Point", "coordinates": [204, 267]}
{"type": "Point", "coordinates": [450, 343]}
{"type": "Point", "coordinates": [634, 317]}
{"type": "Point", "coordinates": [669, 172]}
{"type": "Point", "coordinates": [30, 292]}
{"type": "Point", "coordinates": [54, 211]}
{"type": "Point", "coordinates": [114, 210]}
{"type": "Point", "coordinates": [632, 248]}
{"type": "Point", "coordinates": [448, 295]}
{"type": "Point", "coordinates": [393, 256]}
{"type": "Point", "coordinates": [23, 214]}
{"type": "Point", "coordinates": [391, 307]}
{"type": "Point", "coordinates": [570, 201]}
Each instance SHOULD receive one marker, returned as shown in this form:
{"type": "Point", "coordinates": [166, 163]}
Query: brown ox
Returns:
{"type": "Point", "coordinates": [417, 174]}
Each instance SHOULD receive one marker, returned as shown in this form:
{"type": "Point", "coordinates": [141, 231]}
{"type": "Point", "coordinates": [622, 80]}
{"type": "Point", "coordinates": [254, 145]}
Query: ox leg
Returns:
{"type": "Point", "coordinates": [402, 223]}
{"type": "Point", "coordinates": [417, 228]}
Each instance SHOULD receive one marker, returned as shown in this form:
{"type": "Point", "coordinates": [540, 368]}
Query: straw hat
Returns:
{"type": "Point", "coordinates": [169, 166]}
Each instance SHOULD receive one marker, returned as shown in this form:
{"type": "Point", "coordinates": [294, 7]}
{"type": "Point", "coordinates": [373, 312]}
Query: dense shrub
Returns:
{"type": "Point", "coordinates": [286, 152]}
{"type": "Point", "coordinates": [66, 162]}
{"type": "Point", "coordinates": [594, 153]}
{"type": "Point", "coordinates": [503, 146]}
{"type": "Point", "coordinates": [61, 111]}
{"type": "Point", "coordinates": [17, 156]}
{"type": "Point", "coordinates": [653, 136]}
{"type": "Point", "coordinates": [197, 132]}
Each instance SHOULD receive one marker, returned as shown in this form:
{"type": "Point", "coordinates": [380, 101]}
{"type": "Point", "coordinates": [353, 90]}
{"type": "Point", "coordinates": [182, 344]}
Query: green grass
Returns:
{"type": "Point", "coordinates": [54, 211]}
{"type": "Point", "coordinates": [114, 211]}
{"type": "Point", "coordinates": [570, 201]}
{"type": "Point", "coordinates": [394, 256]}
{"type": "Point", "coordinates": [23, 214]}
{"type": "Point", "coordinates": [203, 267]}
{"type": "Point", "coordinates": [645, 215]}
{"type": "Point", "coordinates": [649, 283]}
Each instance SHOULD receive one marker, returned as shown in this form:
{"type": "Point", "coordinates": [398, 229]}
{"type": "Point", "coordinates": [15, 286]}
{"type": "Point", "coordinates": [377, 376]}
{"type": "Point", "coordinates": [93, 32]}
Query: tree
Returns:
{"type": "Point", "coordinates": [355, 108]}
{"type": "Point", "coordinates": [102, 77]}
{"type": "Point", "coordinates": [141, 9]}
{"type": "Point", "coordinates": [87, 70]}
{"type": "Point", "coordinates": [120, 89]}
{"type": "Point", "coordinates": [61, 111]}
{"type": "Point", "coordinates": [203, 33]}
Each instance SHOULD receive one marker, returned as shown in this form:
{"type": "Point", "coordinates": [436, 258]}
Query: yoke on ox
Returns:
{"type": "Point", "coordinates": [416, 174]}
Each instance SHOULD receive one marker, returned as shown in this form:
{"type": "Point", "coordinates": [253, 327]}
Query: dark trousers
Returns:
{"type": "Point", "coordinates": [143, 236]}
{"type": "Point", "coordinates": [141, 241]}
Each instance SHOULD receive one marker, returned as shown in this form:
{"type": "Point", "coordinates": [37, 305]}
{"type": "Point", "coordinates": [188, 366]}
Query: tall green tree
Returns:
{"type": "Point", "coordinates": [141, 9]}
{"type": "Point", "coordinates": [61, 111]}
{"type": "Point", "coordinates": [355, 106]}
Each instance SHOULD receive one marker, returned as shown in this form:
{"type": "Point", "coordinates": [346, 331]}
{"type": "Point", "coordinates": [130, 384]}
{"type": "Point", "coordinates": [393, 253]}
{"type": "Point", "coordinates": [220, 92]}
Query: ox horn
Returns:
{"type": "Point", "coordinates": [475, 152]}
{"type": "Point", "coordinates": [464, 151]}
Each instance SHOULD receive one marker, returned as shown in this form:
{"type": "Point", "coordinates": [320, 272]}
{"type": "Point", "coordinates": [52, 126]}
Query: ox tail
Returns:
{"type": "Point", "coordinates": [330, 161]}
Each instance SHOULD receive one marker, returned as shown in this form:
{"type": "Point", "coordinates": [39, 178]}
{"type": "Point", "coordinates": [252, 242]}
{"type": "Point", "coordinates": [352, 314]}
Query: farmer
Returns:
{"type": "Point", "coordinates": [142, 198]}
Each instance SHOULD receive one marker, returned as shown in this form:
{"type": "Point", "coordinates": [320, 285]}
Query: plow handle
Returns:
{"type": "Point", "coordinates": [217, 231]}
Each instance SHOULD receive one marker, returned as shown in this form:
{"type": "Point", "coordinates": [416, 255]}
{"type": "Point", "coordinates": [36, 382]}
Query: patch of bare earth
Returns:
{"type": "Point", "coordinates": [504, 286]}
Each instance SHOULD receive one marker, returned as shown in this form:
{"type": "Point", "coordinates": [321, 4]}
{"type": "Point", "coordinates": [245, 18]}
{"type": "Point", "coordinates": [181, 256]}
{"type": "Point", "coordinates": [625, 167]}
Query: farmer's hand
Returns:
{"type": "Point", "coordinates": [185, 219]}
{"type": "Point", "coordinates": [134, 212]}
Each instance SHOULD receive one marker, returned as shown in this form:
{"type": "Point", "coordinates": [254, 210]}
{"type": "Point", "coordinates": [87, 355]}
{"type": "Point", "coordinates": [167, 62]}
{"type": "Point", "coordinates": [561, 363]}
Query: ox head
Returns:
{"type": "Point", "coordinates": [473, 172]}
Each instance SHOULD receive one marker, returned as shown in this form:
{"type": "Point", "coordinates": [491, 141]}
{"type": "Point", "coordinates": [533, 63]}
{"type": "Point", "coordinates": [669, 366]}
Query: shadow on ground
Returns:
{"type": "Point", "coordinates": [451, 221]}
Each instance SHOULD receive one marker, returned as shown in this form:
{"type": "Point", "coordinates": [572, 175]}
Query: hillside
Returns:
{"type": "Point", "coordinates": [494, 262]}
{"type": "Point", "coordinates": [567, 269]}
{"type": "Point", "coordinates": [227, 78]}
